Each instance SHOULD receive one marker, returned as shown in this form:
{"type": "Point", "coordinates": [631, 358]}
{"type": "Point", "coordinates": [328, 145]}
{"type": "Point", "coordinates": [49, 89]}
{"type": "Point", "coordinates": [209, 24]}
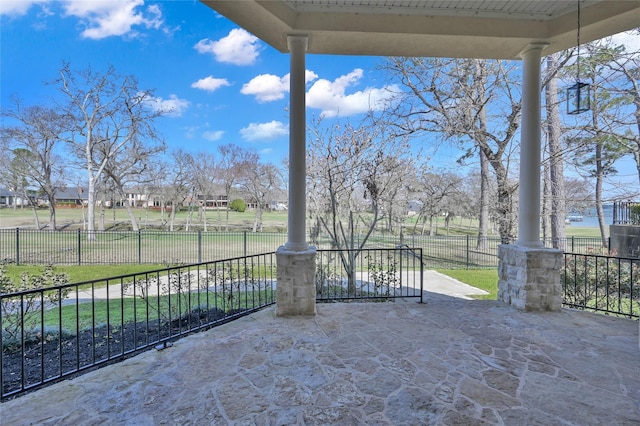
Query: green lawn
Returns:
{"type": "Point", "coordinates": [81, 273]}
{"type": "Point", "coordinates": [485, 279]}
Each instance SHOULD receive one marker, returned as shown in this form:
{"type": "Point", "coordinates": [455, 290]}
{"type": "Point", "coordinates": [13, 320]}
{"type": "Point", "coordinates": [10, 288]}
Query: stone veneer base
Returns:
{"type": "Point", "coordinates": [296, 289]}
{"type": "Point", "coordinates": [529, 278]}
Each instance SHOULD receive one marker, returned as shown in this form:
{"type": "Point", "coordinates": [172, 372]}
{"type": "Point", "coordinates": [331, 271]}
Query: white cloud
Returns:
{"type": "Point", "coordinates": [238, 48]}
{"type": "Point", "coordinates": [331, 97]}
{"type": "Point", "coordinates": [105, 18]}
{"type": "Point", "coordinates": [172, 107]}
{"type": "Point", "coordinates": [269, 87]}
{"type": "Point", "coordinates": [17, 7]}
{"type": "Point", "coordinates": [261, 131]}
{"type": "Point", "coordinates": [213, 135]}
{"type": "Point", "coordinates": [630, 40]}
{"type": "Point", "coordinates": [210, 83]}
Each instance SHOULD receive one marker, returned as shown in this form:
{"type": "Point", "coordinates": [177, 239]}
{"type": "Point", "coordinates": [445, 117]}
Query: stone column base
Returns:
{"type": "Point", "coordinates": [529, 278]}
{"type": "Point", "coordinates": [296, 288]}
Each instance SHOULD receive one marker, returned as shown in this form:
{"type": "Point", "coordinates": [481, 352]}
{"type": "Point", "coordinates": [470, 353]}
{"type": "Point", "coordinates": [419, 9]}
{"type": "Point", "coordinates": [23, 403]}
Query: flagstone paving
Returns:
{"type": "Point", "coordinates": [448, 361]}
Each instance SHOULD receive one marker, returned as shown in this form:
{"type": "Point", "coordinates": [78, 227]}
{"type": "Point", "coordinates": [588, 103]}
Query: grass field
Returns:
{"type": "Point", "coordinates": [118, 219]}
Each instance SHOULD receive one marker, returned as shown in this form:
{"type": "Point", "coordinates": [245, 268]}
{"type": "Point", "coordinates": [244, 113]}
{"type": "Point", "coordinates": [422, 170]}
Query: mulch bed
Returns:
{"type": "Point", "coordinates": [48, 359]}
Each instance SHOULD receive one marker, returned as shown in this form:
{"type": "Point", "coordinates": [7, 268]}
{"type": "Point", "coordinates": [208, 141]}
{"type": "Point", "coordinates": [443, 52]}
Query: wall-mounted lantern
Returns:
{"type": "Point", "coordinates": [578, 98]}
{"type": "Point", "coordinates": [578, 95]}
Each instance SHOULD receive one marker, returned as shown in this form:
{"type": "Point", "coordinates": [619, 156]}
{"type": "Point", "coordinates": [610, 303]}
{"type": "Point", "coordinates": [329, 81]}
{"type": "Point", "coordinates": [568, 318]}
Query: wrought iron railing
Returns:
{"type": "Point", "coordinates": [369, 274]}
{"type": "Point", "coordinates": [33, 247]}
{"type": "Point", "coordinates": [53, 333]}
{"type": "Point", "coordinates": [56, 332]}
{"type": "Point", "coordinates": [602, 283]}
{"type": "Point", "coordinates": [626, 213]}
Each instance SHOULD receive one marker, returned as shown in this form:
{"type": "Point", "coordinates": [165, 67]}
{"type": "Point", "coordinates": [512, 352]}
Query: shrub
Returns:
{"type": "Point", "coordinates": [238, 205]}
{"type": "Point", "coordinates": [634, 214]}
{"type": "Point", "coordinates": [21, 314]}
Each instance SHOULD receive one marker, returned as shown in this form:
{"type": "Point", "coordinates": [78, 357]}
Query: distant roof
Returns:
{"type": "Point", "coordinates": [4, 192]}
{"type": "Point", "coordinates": [72, 193]}
{"type": "Point", "coordinates": [492, 29]}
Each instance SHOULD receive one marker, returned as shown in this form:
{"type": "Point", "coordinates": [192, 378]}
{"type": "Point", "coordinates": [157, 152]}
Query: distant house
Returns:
{"type": "Point", "coordinates": [139, 196]}
{"type": "Point", "coordinates": [278, 206]}
{"type": "Point", "coordinates": [7, 198]}
{"type": "Point", "coordinates": [72, 196]}
{"type": "Point", "coordinates": [414, 207]}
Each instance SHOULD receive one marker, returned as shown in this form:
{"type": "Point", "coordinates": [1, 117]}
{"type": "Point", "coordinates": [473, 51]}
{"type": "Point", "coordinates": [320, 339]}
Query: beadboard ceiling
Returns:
{"type": "Point", "coordinates": [498, 29]}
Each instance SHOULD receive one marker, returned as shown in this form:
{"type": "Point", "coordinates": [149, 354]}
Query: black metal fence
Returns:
{"type": "Point", "coordinates": [626, 213]}
{"type": "Point", "coordinates": [369, 274]}
{"type": "Point", "coordinates": [602, 284]}
{"type": "Point", "coordinates": [53, 333]}
{"type": "Point", "coordinates": [23, 246]}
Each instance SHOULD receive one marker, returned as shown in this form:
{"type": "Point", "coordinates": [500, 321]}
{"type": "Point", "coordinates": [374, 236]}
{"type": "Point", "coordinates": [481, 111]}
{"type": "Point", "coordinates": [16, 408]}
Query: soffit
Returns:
{"type": "Point", "coordinates": [497, 29]}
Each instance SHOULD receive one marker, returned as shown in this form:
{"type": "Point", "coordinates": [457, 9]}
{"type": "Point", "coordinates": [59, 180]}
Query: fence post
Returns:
{"type": "Point", "coordinates": [18, 246]}
{"type": "Point", "coordinates": [573, 250]}
{"type": "Point", "coordinates": [139, 247]}
{"type": "Point", "coordinates": [244, 238]}
{"type": "Point", "coordinates": [199, 246]}
{"type": "Point", "coordinates": [467, 252]}
{"type": "Point", "coordinates": [79, 253]}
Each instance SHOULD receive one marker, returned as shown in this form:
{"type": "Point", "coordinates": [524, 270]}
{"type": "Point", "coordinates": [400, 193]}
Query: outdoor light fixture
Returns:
{"type": "Point", "coordinates": [578, 95]}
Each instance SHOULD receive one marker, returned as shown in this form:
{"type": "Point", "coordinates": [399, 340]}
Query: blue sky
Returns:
{"type": "Point", "coordinates": [222, 84]}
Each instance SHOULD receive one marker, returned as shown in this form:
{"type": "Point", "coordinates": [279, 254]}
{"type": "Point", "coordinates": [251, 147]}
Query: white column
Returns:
{"type": "Point", "coordinates": [529, 201]}
{"type": "Point", "coordinates": [297, 145]}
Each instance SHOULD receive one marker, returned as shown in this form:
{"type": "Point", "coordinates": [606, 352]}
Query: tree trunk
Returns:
{"type": "Point", "coordinates": [132, 217]}
{"type": "Point", "coordinates": [483, 219]}
{"type": "Point", "coordinates": [545, 214]}
{"type": "Point", "coordinates": [505, 222]}
{"type": "Point", "coordinates": [257, 223]}
{"type": "Point", "coordinates": [604, 232]}
{"type": "Point", "coordinates": [172, 216]}
{"type": "Point", "coordinates": [91, 205]}
{"type": "Point", "coordinates": [52, 213]}
{"type": "Point", "coordinates": [34, 209]}
{"type": "Point", "coordinates": [556, 164]}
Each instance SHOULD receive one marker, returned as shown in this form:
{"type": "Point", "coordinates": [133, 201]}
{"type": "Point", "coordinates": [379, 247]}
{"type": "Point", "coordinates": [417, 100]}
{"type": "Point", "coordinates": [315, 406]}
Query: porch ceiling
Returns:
{"type": "Point", "coordinates": [496, 29]}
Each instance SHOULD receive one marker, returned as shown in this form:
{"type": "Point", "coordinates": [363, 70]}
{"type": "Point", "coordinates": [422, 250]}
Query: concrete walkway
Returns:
{"type": "Point", "coordinates": [449, 361]}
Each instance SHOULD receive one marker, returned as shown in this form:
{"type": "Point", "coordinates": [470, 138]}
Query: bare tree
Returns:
{"type": "Point", "coordinates": [127, 168]}
{"type": "Point", "coordinates": [18, 176]}
{"type": "Point", "coordinates": [35, 142]}
{"type": "Point", "coordinates": [231, 163]}
{"type": "Point", "coordinates": [625, 68]}
{"type": "Point", "coordinates": [175, 182]}
{"type": "Point", "coordinates": [202, 169]}
{"type": "Point", "coordinates": [474, 103]}
{"type": "Point", "coordinates": [260, 180]}
{"type": "Point", "coordinates": [349, 170]}
{"type": "Point", "coordinates": [435, 187]}
{"type": "Point", "coordinates": [109, 112]}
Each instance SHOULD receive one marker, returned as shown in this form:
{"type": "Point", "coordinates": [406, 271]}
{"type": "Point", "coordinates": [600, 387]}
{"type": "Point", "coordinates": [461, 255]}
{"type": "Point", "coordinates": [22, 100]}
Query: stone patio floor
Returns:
{"type": "Point", "coordinates": [449, 361]}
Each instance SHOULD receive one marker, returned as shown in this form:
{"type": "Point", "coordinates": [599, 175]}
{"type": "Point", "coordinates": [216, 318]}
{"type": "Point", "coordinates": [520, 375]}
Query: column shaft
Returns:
{"type": "Point", "coordinates": [297, 146]}
{"type": "Point", "coordinates": [530, 147]}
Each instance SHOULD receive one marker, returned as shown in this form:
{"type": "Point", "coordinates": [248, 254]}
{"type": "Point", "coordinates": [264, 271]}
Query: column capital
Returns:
{"type": "Point", "coordinates": [297, 39]}
{"type": "Point", "coordinates": [533, 46]}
